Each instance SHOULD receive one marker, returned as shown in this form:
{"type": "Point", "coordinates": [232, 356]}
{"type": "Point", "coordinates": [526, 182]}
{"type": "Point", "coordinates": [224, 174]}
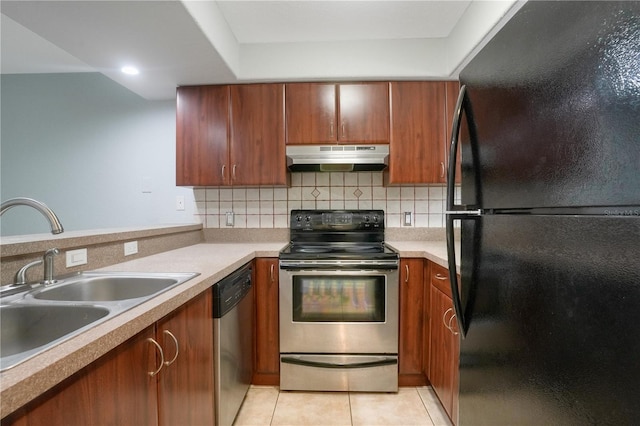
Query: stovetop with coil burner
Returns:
{"type": "Point", "coordinates": [338, 237]}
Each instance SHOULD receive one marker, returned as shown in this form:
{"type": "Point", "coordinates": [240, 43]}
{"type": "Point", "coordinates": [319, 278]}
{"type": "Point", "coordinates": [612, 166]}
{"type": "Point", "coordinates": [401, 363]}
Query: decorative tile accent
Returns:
{"type": "Point", "coordinates": [269, 207]}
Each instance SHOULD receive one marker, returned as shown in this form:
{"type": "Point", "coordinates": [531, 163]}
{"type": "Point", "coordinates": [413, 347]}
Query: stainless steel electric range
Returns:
{"type": "Point", "coordinates": [338, 303]}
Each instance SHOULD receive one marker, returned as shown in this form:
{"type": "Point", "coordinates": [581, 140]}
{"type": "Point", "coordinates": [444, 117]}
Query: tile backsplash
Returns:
{"type": "Point", "coordinates": [269, 207]}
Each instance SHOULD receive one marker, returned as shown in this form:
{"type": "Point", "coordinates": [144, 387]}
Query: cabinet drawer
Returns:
{"type": "Point", "coordinates": [440, 279]}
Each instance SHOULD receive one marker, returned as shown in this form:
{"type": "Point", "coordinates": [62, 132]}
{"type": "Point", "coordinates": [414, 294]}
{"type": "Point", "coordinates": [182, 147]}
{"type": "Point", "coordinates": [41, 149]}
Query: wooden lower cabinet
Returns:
{"type": "Point", "coordinates": [445, 346]}
{"type": "Point", "coordinates": [267, 340]}
{"type": "Point", "coordinates": [185, 386]}
{"type": "Point", "coordinates": [412, 315]}
{"type": "Point", "coordinates": [117, 389]}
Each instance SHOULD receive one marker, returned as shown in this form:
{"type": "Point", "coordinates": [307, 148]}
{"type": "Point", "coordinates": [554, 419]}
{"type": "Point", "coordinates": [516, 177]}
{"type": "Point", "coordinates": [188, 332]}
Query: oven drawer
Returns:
{"type": "Point", "coordinates": [360, 373]}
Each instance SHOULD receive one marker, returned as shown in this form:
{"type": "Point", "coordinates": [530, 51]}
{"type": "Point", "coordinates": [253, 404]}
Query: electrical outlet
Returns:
{"type": "Point", "coordinates": [180, 202]}
{"type": "Point", "coordinates": [76, 257]}
{"type": "Point", "coordinates": [229, 218]}
{"type": "Point", "coordinates": [407, 219]}
{"type": "Point", "coordinates": [130, 248]}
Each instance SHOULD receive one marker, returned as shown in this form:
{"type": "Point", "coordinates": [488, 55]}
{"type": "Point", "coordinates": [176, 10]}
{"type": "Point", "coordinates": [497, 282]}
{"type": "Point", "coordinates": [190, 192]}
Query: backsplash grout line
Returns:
{"type": "Point", "coordinates": [269, 207]}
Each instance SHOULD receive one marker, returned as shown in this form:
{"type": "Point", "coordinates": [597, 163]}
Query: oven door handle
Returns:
{"type": "Point", "coordinates": [369, 364]}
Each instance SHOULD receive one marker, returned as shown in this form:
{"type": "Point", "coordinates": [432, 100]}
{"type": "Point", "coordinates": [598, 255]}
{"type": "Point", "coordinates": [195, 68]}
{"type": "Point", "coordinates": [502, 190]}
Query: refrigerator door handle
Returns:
{"type": "Point", "coordinates": [453, 274]}
{"type": "Point", "coordinates": [456, 211]}
{"type": "Point", "coordinates": [453, 154]}
{"type": "Point", "coordinates": [464, 213]}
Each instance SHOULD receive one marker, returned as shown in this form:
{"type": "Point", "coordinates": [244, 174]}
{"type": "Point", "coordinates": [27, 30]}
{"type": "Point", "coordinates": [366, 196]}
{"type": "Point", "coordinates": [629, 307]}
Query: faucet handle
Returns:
{"type": "Point", "coordinates": [21, 275]}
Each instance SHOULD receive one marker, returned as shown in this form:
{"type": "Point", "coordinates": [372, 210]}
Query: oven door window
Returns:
{"type": "Point", "coordinates": [338, 298]}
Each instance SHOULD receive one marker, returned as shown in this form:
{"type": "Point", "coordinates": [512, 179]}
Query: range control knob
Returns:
{"type": "Point", "coordinates": [375, 218]}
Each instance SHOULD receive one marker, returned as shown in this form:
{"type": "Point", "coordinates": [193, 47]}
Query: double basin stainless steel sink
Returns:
{"type": "Point", "coordinates": [37, 319]}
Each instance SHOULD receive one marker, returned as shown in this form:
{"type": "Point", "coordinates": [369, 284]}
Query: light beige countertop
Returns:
{"type": "Point", "coordinates": [435, 251]}
{"type": "Point", "coordinates": [25, 381]}
{"type": "Point", "coordinates": [214, 261]}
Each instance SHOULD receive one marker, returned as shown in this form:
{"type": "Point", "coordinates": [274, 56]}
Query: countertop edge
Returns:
{"type": "Point", "coordinates": [24, 382]}
{"type": "Point", "coordinates": [31, 378]}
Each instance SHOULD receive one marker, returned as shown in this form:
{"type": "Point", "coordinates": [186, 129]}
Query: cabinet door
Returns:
{"type": "Point", "coordinates": [455, 373]}
{"type": "Point", "coordinates": [201, 135]}
{"type": "Point", "coordinates": [267, 347]}
{"type": "Point", "coordinates": [417, 133]}
{"type": "Point", "coordinates": [411, 323]}
{"type": "Point", "coordinates": [257, 154]}
{"type": "Point", "coordinates": [452, 90]}
{"type": "Point", "coordinates": [114, 390]}
{"type": "Point", "coordinates": [364, 113]}
{"type": "Point", "coordinates": [441, 376]}
{"type": "Point", "coordinates": [185, 383]}
{"type": "Point", "coordinates": [426, 319]}
{"type": "Point", "coordinates": [310, 113]}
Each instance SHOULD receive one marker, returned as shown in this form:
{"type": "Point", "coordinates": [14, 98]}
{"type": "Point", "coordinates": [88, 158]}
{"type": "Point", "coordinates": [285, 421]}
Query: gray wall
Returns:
{"type": "Point", "coordinates": [83, 145]}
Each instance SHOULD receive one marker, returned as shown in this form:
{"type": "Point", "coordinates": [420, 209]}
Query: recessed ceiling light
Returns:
{"type": "Point", "coordinates": [130, 70]}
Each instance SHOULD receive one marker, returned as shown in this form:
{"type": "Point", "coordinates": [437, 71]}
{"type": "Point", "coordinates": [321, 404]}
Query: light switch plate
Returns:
{"type": "Point", "coordinates": [229, 218]}
{"type": "Point", "coordinates": [130, 248]}
{"type": "Point", "coordinates": [76, 257]}
{"type": "Point", "coordinates": [180, 202]}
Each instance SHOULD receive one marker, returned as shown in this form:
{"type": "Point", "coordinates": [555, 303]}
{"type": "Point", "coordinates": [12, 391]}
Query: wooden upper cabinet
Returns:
{"type": "Point", "coordinates": [324, 113]}
{"type": "Point", "coordinates": [230, 135]}
{"type": "Point", "coordinates": [202, 135]}
{"type": "Point", "coordinates": [417, 133]}
{"type": "Point", "coordinates": [310, 113]}
{"type": "Point", "coordinates": [364, 112]}
{"type": "Point", "coordinates": [257, 154]}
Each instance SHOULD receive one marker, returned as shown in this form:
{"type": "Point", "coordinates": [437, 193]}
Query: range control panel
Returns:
{"type": "Point", "coordinates": [342, 220]}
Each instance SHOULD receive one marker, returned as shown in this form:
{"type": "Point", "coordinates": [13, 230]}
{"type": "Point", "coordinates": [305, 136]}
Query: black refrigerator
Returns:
{"type": "Point", "coordinates": [548, 304]}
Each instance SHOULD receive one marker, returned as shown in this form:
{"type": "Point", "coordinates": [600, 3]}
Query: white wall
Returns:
{"type": "Point", "coordinates": [82, 144]}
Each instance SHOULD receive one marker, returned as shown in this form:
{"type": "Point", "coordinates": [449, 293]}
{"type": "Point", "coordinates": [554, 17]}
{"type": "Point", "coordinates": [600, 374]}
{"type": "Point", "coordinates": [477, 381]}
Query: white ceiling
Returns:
{"type": "Point", "coordinates": [317, 21]}
{"type": "Point", "coordinates": [207, 42]}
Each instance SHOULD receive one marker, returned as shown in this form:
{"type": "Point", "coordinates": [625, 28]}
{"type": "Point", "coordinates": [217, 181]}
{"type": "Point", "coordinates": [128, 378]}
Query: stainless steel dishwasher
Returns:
{"type": "Point", "coordinates": [233, 340]}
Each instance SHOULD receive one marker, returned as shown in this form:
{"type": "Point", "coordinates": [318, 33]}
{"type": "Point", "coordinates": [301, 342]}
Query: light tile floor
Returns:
{"type": "Point", "coordinates": [266, 405]}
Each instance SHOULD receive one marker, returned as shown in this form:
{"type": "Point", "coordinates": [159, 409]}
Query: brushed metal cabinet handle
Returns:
{"type": "Point", "coordinates": [168, 363]}
{"type": "Point", "coordinates": [272, 277]}
{"type": "Point", "coordinates": [406, 280]}
{"type": "Point", "coordinates": [450, 327]}
{"type": "Point", "coordinates": [440, 277]}
{"type": "Point", "coordinates": [159, 349]}
{"type": "Point", "coordinates": [444, 316]}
